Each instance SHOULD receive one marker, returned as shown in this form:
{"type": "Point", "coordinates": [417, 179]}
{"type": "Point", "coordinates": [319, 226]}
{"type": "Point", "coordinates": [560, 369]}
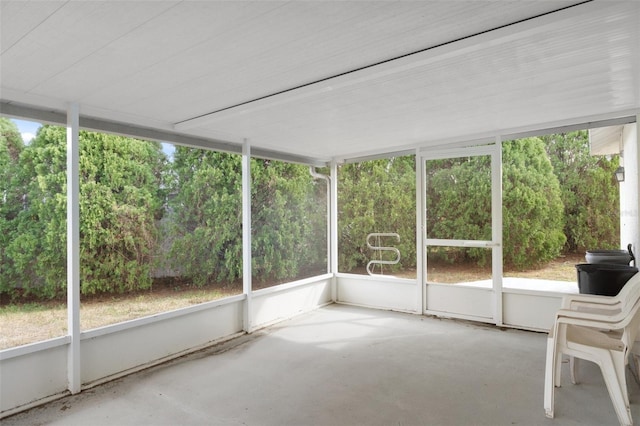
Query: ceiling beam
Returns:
{"type": "Point", "coordinates": [43, 115]}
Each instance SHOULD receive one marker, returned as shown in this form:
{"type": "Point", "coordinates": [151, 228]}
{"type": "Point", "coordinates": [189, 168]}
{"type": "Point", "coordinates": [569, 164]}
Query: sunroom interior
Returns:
{"type": "Point", "coordinates": [319, 84]}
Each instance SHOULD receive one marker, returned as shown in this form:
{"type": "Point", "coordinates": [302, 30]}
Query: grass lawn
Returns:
{"type": "Point", "coordinates": [35, 321]}
{"type": "Point", "coordinates": [32, 322]}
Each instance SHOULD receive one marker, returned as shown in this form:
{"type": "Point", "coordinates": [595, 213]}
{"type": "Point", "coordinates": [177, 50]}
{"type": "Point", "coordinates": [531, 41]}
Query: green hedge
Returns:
{"type": "Point", "coordinates": [141, 212]}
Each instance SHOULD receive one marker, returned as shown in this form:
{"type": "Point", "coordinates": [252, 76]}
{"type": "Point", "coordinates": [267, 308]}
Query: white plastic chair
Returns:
{"type": "Point", "coordinates": [600, 329]}
{"type": "Point", "coordinates": [603, 305]}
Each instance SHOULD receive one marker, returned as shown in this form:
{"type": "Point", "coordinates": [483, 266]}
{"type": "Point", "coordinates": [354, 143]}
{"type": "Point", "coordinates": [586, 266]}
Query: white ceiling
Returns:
{"type": "Point", "coordinates": [325, 79]}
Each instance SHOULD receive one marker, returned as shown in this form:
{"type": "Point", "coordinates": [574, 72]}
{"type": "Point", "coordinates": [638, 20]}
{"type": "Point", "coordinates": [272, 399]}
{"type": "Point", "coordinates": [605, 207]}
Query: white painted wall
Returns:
{"type": "Point", "coordinates": [112, 351]}
{"type": "Point", "coordinates": [282, 302]}
{"type": "Point", "coordinates": [34, 374]}
{"type": "Point", "coordinates": [518, 312]}
{"type": "Point", "coordinates": [397, 294]}
{"type": "Point", "coordinates": [461, 301]}
{"type": "Point", "coordinates": [531, 310]}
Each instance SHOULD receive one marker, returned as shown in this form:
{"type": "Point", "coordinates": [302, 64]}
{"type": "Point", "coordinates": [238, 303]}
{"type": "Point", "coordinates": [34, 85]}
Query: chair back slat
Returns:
{"type": "Point", "coordinates": [633, 328]}
{"type": "Point", "coordinates": [629, 287]}
{"type": "Point", "coordinates": [630, 294]}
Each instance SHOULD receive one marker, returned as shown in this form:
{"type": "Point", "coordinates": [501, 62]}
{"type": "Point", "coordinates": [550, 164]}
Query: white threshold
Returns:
{"type": "Point", "coordinates": [529, 284]}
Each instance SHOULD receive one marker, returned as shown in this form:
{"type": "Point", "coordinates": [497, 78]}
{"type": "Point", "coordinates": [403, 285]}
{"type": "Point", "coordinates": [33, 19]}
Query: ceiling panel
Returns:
{"type": "Point", "coordinates": [306, 52]}
{"type": "Point", "coordinates": [325, 79]}
{"type": "Point", "coordinates": [25, 17]}
{"type": "Point", "coordinates": [67, 38]}
{"type": "Point", "coordinates": [556, 71]}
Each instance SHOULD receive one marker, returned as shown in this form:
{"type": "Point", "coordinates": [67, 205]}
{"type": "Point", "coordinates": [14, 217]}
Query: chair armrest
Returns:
{"type": "Point", "coordinates": [590, 319]}
{"type": "Point", "coordinates": [587, 323]}
{"type": "Point", "coordinates": [587, 300]}
{"type": "Point", "coordinates": [598, 309]}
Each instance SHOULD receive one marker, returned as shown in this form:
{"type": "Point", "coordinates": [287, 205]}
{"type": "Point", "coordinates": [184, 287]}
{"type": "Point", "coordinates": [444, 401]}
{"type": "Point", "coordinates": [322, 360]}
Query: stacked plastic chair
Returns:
{"type": "Point", "coordinates": [600, 329]}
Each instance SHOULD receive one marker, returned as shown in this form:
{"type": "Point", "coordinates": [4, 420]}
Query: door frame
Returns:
{"type": "Point", "coordinates": [494, 150]}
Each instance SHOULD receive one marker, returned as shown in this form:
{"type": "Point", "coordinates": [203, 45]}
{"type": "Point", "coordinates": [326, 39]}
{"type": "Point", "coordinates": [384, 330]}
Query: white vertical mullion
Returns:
{"type": "Point", "coordinates": [246, 236]}
{"type": "Point", "coordinates": [329, 227]}
{"type": "Point", "coordinates": [636, 176]}
{"type": "Point", "coordinates": [73, 247]}
{"type": "Point", "coordinates": [334, 229]}
{"type": "Point", "coordinates": [496, 228]}
{"type": "Point", "coordinates": [420, 237]}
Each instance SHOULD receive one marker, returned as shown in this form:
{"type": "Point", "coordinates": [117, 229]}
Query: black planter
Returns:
{"type": "Point", "coordinates": [604, 279]}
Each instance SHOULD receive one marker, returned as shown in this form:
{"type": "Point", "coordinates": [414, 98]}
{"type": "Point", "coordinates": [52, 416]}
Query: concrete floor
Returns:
{"type": "Point", "coordinates": [343, 365]}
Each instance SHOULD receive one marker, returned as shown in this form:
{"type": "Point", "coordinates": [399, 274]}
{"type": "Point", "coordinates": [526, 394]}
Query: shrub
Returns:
{"type": "Point", "coordinates": [376, 196]}
{"type": "Point", "coordinates": [207, 218]}
{"type": "Point", "coordinates": [533, 212]}
{"type": "Point", "coordinates": [589, 190]}
{"type": "Point", "coordinates": [459, 205]}
{"type": "Point", "coordinates": [120, 199]}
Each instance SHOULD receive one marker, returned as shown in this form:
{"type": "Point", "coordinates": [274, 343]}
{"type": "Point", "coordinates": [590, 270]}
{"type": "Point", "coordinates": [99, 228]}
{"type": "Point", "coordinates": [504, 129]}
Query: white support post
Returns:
{"type": "Point", "coordinates": [630, 187]}
{"type": "Point", "coordinates": [334, 229]}
{"type": "Point", "coordinates": [420, 233]}
{"type": "Point", "coordinates": [329, 222]}
{"type": "Point", "coordinates": [327, 181]}
{"type": "Point", "coordinates": [496, 229]}
{"type": "Point", "coordinates": [246, 236]}
{"type": "Point", "coordinates": [73, 247]}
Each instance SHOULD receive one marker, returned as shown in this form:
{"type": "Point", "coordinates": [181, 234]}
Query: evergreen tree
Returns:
{"type": "Point", "coordinates": [206, 216]}
{"type": "Point", "coordinates": [124, 183]}
{"type": "Point", "coordinates": [459, 205]}
{"type": "Point", "coordinates": [533, 212]}
{"type": "Point", "coordinates": [206, 209]}
{"type": "Point", "coordinates": [376, 196]}
{"type": "Point", "coordinates": [11, 197]}
{"type": "Point", "coordinates": [458, 198]}
{"type": "Point", "coordinates": [288, 211]}
{"type": "Point", "coordinates": [120, 199]}
{"type": "Point", "coordinates": [590, 192]}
